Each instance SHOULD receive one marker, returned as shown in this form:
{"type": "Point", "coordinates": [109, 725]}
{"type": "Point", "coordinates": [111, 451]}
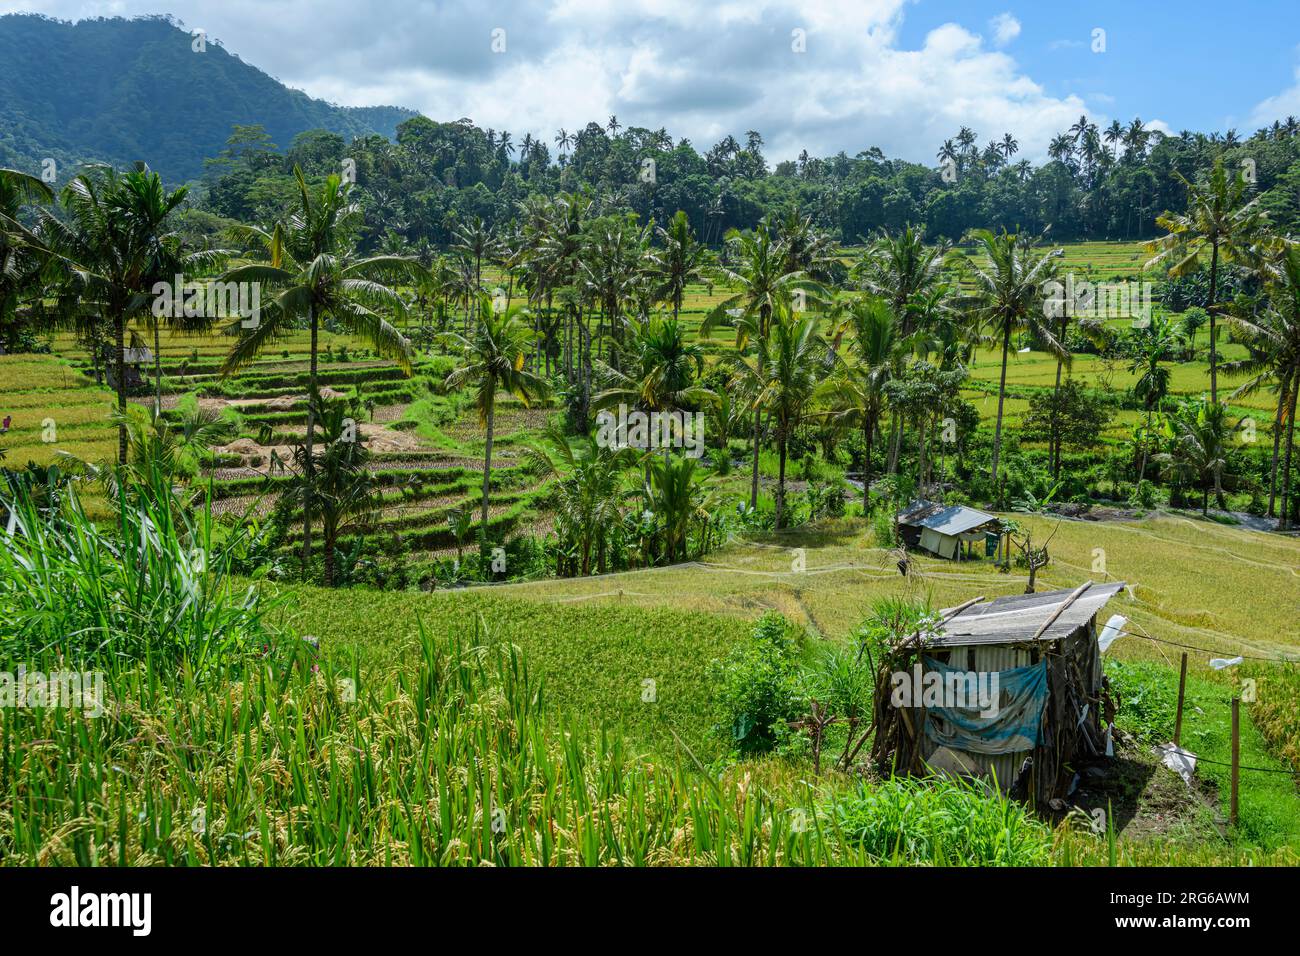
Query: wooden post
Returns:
{"type": "Point", "coordinates": [1236, 757]}
{"type": "Point", "coordinates": [1182, 691]}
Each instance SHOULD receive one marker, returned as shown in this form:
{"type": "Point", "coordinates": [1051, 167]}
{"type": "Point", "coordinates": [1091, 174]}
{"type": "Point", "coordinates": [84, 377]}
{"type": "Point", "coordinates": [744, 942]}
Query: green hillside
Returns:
{"type": "Point", "coordinates": [117, 91]}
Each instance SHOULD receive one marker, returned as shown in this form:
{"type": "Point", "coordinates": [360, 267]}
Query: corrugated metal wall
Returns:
{"type": "Point", "coordinates": [993, 657]}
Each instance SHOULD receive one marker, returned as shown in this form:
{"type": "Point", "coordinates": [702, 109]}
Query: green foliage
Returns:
{"type": "Point", "coordinates": [757, 687]}
{"type": "Point", "coordinates": [942, 822]}
{"type": "Point", "coordinates": [1148, 701]}
{"type": "Point", "coordinates": [1077, 415]}
{"type": "Point", "coordinates": [67, 587]}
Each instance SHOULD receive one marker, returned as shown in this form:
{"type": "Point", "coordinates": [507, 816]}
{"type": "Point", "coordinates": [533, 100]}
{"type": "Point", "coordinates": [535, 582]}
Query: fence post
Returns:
{"type": "Point", "coordinates": [1236, 757]}
{"type": "Point", "coordinates": [1182, 691]}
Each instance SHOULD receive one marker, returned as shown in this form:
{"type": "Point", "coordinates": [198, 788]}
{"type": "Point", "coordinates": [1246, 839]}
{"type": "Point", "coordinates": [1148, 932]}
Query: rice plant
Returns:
{"type": "Point", "coordinates": [152, 585]}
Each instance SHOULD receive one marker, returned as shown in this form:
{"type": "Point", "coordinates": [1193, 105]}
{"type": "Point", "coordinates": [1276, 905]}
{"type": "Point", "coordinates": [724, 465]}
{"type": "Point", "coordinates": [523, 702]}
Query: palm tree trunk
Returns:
{"type": "Point", "coordinates": [1002, 395]}
{"type": "Point", "coordinates": [487, 465]}
{"type": "Point", "coordinates": [309, 497]}
{"type": "Point", "coordinates": [866, 469]}
{"type": "Point", "coordinates": [753, 484]}
{"type": "Point", "coordinates": [1146, 444]}
{"type": "Point", "coordinates": [780, 485]}
{"type": "Point", "coordinates": [157, 370]}
{"type": "Point", "coordinates": [1286, 468]}
{"type": "Point", "coordinates": [1277, 440]}
{"type": "Point", "coordinates": [1054, 446]}
{"type": "Point", "coordinates": [1214, 295]}
{"type": "Point", "coordinates": [895, 441]}
{"type": "Point", "coordinates": [329, 559]}
{"type": "Point", "coordinates": [119, 335]}
{"type": "Point", "coordinates": [922, 426]}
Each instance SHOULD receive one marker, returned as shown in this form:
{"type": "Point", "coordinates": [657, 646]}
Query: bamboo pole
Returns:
{"type": "Point", "coordinates": [1061, 609]}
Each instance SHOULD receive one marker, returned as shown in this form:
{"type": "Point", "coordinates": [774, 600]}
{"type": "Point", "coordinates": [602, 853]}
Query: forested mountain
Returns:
{"type": "Point", "coordinates": [120, 90]}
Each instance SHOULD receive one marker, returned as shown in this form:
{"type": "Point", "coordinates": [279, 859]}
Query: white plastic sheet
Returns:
{"type": "Point", "coordinates": [1219, 663]}
{"type": "Point", "coordinates": [1113, 629]}
{"type": "Point", "coordinates": [1180, 761]}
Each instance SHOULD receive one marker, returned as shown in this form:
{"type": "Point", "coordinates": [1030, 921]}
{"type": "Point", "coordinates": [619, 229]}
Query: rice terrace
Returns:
{"type": "Point", "coordinates": [641, 489]}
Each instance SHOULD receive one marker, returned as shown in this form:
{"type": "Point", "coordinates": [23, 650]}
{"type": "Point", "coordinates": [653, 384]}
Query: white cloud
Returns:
{"type": "Point", "coordinates": [1279, 107]}
{"type": "Point", "coordinates": [1005, 28]}
{"type": "Point", "coordinates": [700, 71]}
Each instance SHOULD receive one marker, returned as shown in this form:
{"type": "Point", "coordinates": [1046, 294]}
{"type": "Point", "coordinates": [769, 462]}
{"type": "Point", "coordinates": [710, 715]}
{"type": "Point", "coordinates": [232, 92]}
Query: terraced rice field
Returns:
{"type": "Point", "coordinates": [428, 446]}
{"type": "Point", "coordinates": [52, 408]}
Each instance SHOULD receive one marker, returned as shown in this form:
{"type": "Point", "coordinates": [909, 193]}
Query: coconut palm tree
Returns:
{"type": "Point", "coordinates": [608, 271]}
{"type": "Point", "coordinates": [493, 361]}
{"type": "Point", "coordinates": [661, 368]}
{"type": "Point", "coordinates": [763, 286]}
{"type": "Point", "coordinates": [590, 490]}
{"type": "Point", "coordinates": [336, 484]}
{"type": "Point", "coordinates": [1009, 286]}
{"type": "Point", "coordinates": [902, 269]}
{"type": "Point", "coordinates": [1153, 344]}
{"type": "Point", "coordinates": [474, 241]}
{"type": "Point", "coordinates": [677, 498]}
{"type": "Point", "coordinates": [807, 249]}
{"type": "Point", "coordinates": [1200, 448]}
{"type": "Point", "coordinates": [563, 141]}
{"type": "Point", "coordinates": [1061, 148]}
{"type": "Point", "coordinates": [1221, 220]}
{"type": "Point", "coordinates": [857, 393]}
{"type": "Point", "coordinates": [114, 246]}
{"type": "Point", "coordinates": [1113, 134]}
{"type": "Point", "coordinates": [908, 274]}
{"type": "Point", "coordinates": [314, 275]}
{"type": "Point", "coordinates": [781, 377]}
{"type": "Point", "coordinates": [1273, 337]}
{"type": "Point", "coordinates": [678, 262]}
{"type": "Point", "coordinates": [21, 256]}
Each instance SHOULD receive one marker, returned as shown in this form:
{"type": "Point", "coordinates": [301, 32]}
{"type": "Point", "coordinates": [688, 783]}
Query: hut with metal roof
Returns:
{"type": "Point", "coordinates": [944, 529]}
{"type": "Point", "coordinates": [1010, 691]}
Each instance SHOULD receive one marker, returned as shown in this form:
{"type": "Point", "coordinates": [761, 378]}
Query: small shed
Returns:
{"type": "Point", "coordinates": [1050, 709]}
{"type": "Point", "coordinates": [943, 529]}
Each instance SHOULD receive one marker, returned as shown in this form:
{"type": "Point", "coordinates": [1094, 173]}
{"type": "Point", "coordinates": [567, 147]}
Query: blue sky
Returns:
{"type": "Point", "coordinates": [821, 75]}
{"type": "Point", "coordinates": [1157, 60]}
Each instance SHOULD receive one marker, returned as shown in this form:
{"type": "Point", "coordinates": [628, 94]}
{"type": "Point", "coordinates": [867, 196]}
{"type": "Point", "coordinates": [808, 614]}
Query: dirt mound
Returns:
{"type": "Point", "coordinates": [380, 438]}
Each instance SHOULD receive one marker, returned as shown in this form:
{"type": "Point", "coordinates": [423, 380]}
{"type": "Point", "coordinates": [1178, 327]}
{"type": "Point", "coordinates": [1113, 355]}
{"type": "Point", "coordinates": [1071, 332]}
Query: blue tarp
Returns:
{"type": "Point", "coordinates": [1022, 695]}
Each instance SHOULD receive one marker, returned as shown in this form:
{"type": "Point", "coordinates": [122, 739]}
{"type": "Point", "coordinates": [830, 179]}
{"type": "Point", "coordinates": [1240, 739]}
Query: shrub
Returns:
{"type": "Point", "coordinates": [884, 530]}
{"type": "Point", "coordinates": [757, 687]}
{"type": "Point", "coordinates": [1147, 700]}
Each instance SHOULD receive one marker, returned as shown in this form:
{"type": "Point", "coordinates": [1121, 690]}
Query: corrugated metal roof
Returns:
{"type": "Point", "coordinates": [944, 519]}
{"type": "Point", "coordinates": [1007, 620]}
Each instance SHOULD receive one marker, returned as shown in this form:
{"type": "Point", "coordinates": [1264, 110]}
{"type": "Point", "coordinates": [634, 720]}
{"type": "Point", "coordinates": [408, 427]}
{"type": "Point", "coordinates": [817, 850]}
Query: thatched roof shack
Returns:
{"type": "Point", "coordinates": [943, 529]}
{"type": "Point", "coordinates": [1030, 669]}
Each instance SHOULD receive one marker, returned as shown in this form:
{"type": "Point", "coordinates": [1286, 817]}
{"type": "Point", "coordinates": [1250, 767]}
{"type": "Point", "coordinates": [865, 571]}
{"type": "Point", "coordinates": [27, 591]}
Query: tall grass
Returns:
{"type": "Point", "coordinates": [152, 584]}
{"type": "Point", "coordinates": [942, 821]}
